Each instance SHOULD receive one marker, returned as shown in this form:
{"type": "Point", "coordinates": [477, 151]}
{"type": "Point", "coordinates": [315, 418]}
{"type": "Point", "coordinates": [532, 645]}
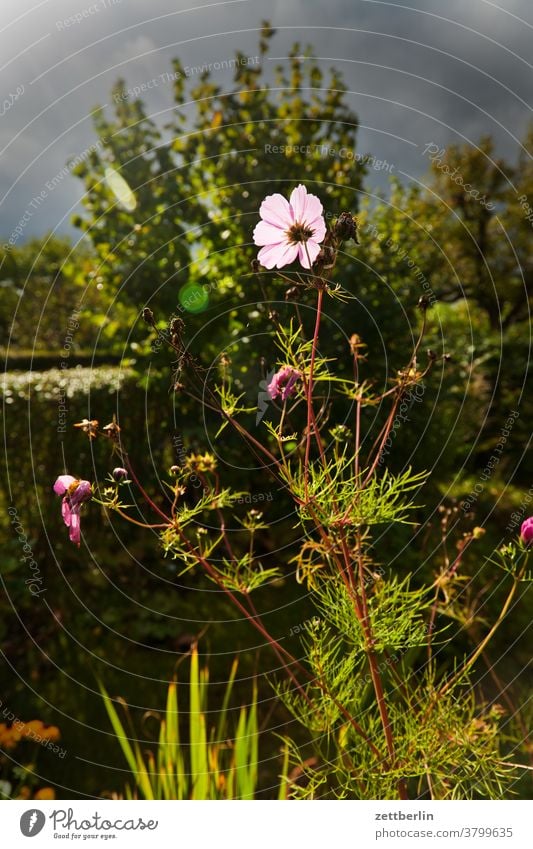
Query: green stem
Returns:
{"type": "Point", "coordinates": [481, 647]}
{"type": "Point", "coordinates": [310, 413]}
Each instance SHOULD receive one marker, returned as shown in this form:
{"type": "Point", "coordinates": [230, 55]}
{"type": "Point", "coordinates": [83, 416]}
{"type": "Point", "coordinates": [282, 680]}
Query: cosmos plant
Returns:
{"type": "Point", "coordinates": [371, 682]}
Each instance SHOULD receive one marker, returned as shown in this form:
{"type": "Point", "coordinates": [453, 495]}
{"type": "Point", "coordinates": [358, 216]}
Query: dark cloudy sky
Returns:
{"type": "Point", "coordinates": [418, 72]}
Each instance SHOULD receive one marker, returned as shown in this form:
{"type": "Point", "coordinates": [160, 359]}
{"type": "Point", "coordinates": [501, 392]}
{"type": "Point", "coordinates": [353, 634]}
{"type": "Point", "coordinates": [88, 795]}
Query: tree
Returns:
{"type": "Point", "coordinates": [199, 186]}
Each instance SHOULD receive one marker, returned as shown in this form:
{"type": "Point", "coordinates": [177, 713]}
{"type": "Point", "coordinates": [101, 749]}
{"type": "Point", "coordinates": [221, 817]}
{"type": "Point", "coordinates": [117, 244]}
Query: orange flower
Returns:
{"type": "Point", "coordinates": [33, 728]}
{"type": "Point", "coordinates": [16, 734]}
{"type": "Point", "coordinates": [45, 793]}
{"type": "Point", "coordinates": [51, 733]}
{"type": "Point", "coordinates": [7, 738]}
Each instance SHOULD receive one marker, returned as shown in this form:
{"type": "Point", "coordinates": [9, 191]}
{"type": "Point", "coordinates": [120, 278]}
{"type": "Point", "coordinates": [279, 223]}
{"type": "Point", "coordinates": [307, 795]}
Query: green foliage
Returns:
{"type": "Point", "coordinates": [448, 748]}
{"type": "Point", "coordinates": [402, 621]}
{"type": "Point", "coordinates": [202, 189]}
{"type": "Point", "coordinates": [212, 762]}
{"type": "Point", "coordinates": [464, 242]}
{"type": "Point", "coordinates": [514, 559]}
{"type": "Point", "coordinates": [337, 499]}
{"type": "Point", "coordinates": [395, 614]}
{"type": "Point", "coordinates": [43, 298]}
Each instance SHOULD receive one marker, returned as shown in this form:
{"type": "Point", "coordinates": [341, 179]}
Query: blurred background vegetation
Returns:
{"type": "Point", "coordinates": [73, 339]}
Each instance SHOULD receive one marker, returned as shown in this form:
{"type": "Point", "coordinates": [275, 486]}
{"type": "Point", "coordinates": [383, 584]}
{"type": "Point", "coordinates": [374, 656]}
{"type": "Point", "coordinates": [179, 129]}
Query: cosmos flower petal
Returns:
{"type": "Point", "coordinates": [283, 383]}
{"type": "Point", "coordinates": [75, 527]}
{"type": "Point", "coordinates": [275, 210]}
{"type": "Point", "coordinates": [65, 512]}
{"type": "Point", "coordinates": [268, 234]}
{"type": "Point", "coordinates": [308, 251]}
{"type": "Point", "coordinates": [288, 390]}
{"type": "Point", "coordinates": [319, 229]}
{"type": "Point", "coordinates": [298, 202]}
{"type": "Point", "coordinates": [277, 256]}
{"type": "Point", "coordinates": [290, 252]}
{"type": "Point", "coordinates": [62, 484]}
{"type": "Point", "coordinates": [268, 256]}
{"type": "Point", "coordinates": [83, 492]}
{"type": "Point", "coordinates": [313, 209]}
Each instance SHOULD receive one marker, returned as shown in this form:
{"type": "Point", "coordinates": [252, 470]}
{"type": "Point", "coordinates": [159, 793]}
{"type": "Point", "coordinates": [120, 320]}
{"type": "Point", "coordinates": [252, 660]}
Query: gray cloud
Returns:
{"type": "Point", "coordinates": [413, 76]}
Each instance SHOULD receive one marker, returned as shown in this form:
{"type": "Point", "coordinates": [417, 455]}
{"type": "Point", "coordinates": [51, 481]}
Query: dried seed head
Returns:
{"type": "Point", "coordinates": [356, 345]}
{"type": "Point", "coordinates": [292, 293]}
{"type": "Point", "coordinates": [424, 303]}
{"type": "Point", "coordinates": [177, 325]}
{"type": "Point", "coordinates": [112, 430]}
{"type": "Point", "coordinates": [89, 427]}
{"type": "Point", "coordinates": [345, 227]}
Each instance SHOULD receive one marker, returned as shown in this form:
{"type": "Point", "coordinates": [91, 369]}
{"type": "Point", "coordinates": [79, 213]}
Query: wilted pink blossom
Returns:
{"type": "Point", "coordinates": [74, 493]}
{"type": "Point", "coordinates": [290, 229]}
{"type": "Point", "coordinates": [526, 531]}
{"type": "Point", "coordinates": [284, 383]}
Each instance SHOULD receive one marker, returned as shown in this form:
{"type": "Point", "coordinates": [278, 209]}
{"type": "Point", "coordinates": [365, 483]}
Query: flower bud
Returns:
{"type": "Point", "coordinates": [345, 227]}
{"type": "Point", "coordinates": [526, 531]}
{"type": "Point", "coordinates": [119, 474]}
{"type": "Point", "coordinates": [148, 316]}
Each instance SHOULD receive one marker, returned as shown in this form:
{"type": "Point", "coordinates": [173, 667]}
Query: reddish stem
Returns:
{"type": "Point", "coordinates": [143, 492]}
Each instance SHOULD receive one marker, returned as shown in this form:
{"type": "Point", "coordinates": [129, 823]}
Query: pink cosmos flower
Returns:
{"type": "Point", "coordinates": [74, 493]}
{"type": "Point", "coordinates": [283, 383]}
{"type": "Point", "coordinates": [290, 229]}
{"type": "Point", "coordinates": [526, 531]}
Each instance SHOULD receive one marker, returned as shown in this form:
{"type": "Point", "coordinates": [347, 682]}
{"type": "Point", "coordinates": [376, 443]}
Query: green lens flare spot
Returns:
{"type": "Point", "coordinates": [193, 298]}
